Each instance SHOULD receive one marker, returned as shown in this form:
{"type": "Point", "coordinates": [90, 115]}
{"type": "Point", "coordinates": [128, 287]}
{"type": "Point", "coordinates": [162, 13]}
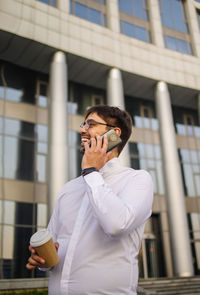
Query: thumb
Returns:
{"type": "Point", "coordinates": [56, 245]}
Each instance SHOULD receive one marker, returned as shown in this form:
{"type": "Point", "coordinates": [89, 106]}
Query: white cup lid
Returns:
{"type": "Point", "coordinates": [40, 237]}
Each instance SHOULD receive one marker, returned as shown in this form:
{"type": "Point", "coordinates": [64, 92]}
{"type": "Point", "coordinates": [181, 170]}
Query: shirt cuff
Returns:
{"type": "Point", "coordinates": [94, 179]}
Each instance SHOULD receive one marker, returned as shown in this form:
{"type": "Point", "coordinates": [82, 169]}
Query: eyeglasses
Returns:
{"type": "Point", "coordinates": [89, 123]}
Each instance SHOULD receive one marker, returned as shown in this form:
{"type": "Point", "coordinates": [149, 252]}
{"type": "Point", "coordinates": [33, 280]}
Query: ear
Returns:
{"type": "Point", "coordinates": [117, 130]}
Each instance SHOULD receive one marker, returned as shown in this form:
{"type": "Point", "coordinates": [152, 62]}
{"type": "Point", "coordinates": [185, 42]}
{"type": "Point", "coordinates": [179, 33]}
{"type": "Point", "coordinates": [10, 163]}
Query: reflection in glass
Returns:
{"type": "Point", "coordinates": [80, 97]}
{"type": "Point", "coordinates": [21, 239]}
{"type": "Point", "coordinates": [14, 94]}
{"type": "Point", "coordinates": [95, 16]}
{"type": "Point", "coordinates": [1, 214]}
{"type": "Point", "coordinates": [1, 124]}
{"type": "Point", "coordinates": [42, 132]}
{"type": "Point", "coordinates": [87, 13]}
{"type": "Point", "coordinates": [19, 128]}
{"type": "Point", "coordinates": [178, 45]}
{"type": "Point", "coordinates": [148, 157]}
{"type": "Point", "coordinates": [10, 156]}
{"type": "Point", "coordinates": [41, 168]}
{"type": "Point", "coordinates": [42, 98]}
{"type": "Point", "coordinates": [8, 242]}
{"type": "Point", "coordinates": [1, 156]}
{"type": "Point", "coordinates": [173, 15]}
{"type": "Point", "coordinates": [137, 8]}
{"type": "Point", "coordinates": [194, 225]}
{"type": "Point", "coordinates": [152, 263]}
{"type": "Point", "coordinates": [41, 215]}
{"type": "Point", "coordinates": [190, 167]}
{"type": "Point", "coordinates": [81, 10]}
{"type": "Point", "coordinates": [2, 92]}
{"type": "Point", "coordinates": [42, 148]}
{"type": "Point", "coordinates": [9, 212]}
{"type": "Point", "coordinates": [134, 31]}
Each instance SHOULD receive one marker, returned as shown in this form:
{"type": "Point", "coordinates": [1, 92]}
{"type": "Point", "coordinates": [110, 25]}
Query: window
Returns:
{"type": "Point", "coordinates": [135, 31]}
{"type": "Point", "coordinates": [49, 2]}
{"type": "Point", "coordinates": [25, 150]}
{"type": "Point", "coordinates": [178, 45]}
{"type": "Point", "coordinates": [20, 85]}
{"type": "Point", "coordinates": [194, 226]}
{"type": "Point", "coordinates": [134, 19]}
{"type": "Point", "coordinates": [94, 11]}
{"type": "Point", "coordinates": [97, 99]}
{"type": "Point", "coordinates": [137, 8]}
{"type": "Point", "coordinates": [74, 155]}
{"type": "Point", "coordinates": [175, 28]}
{"type": "Point", "coordinates": [190, 166]}
{"type": "Point", "coordinates": [42, 93]}
{"type": "Point", "coordinates": [81, 97]}
{"type": "Point", "coordinates": [198, 17]}
{"type": "Point", "coordinates": [186, 122]}
{"type": "Point", "coordinates": [148, 157]}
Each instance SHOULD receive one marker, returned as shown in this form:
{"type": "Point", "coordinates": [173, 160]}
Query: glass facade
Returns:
{"type": "Point", "coordinates": [23, 154]}
{"type": "Point", "coordinates": [134, 19]}
{"type": "Point", "coordinates": [146, 155]}
{"type": "Point", "coordinates": [94, 12]}
{"type": "Point", "coordinates": [49, 2]}
{"type": "Point", "coordinates": [186, 123]}
{"type": "Point", "coordinates": [175, 28]}
{"type": "Point", "coordinates": [81, 97]}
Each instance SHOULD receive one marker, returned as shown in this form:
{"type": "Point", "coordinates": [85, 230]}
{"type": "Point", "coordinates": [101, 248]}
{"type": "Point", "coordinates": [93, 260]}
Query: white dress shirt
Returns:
{"type": "Point", "coordinates": [98, 221]}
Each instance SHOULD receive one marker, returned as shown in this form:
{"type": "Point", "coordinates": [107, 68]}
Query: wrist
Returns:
{"type": "Point", "coordinates": [88, 170]}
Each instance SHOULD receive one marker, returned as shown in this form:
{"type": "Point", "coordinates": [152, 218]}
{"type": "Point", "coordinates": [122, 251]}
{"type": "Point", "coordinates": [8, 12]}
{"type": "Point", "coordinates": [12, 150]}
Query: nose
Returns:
{"type": "Point", "coordinates": [82, 129]}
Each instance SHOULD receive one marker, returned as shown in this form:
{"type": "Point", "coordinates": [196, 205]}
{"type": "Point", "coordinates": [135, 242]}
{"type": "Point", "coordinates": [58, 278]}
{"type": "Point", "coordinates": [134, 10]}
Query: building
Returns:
{"type": "Point", "coordinates": [59, 57]}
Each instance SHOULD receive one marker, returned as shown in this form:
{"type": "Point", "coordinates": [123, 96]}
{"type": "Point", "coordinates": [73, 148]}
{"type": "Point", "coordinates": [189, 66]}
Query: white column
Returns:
{"type": "Point", "coordinates": [198, 107]}
{"type": "Point", "coordinates": [57, 154]}
{"type": "Point", "coordinates": [115, 97]}
{"type": "Point", "coordinates": [63, 5]}
{"type": "Point", "coordinates": [155, 23]}
{"type": "Point", "coordinates": [179, 230]}
{"type": "Point", "coordinates": [112, 13]}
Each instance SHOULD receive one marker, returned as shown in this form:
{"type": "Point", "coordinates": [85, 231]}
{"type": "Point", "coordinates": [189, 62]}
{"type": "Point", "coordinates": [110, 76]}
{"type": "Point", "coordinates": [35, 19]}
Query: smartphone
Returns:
{"type": "Point", "coordinates": [113, 139]}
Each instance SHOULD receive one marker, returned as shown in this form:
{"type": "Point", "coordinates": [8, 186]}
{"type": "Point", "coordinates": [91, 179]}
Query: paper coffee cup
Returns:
{"type": "Point", "coordinates": [43, 243]}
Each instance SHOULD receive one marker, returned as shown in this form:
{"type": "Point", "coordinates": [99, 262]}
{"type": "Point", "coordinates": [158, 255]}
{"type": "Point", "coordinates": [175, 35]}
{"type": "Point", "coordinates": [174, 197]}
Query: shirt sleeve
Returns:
{"type": "Point", "coordinates": [121, 213]}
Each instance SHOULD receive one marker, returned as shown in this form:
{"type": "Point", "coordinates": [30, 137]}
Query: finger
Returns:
{"type": "Point", "coordinates": [32, 250]}
{"type": "Point", "coordinates": [86, 145]}
{"type": "Point", "coordinates": [37, 259]}
{"type": "Point", "coordinates": [56, 245]}
{"type": "Point", "coordinates": [30, 267]}
{"type": "Point", "coordinates": [98, 141]}
{"type": "Point", "coordinates": [93, 142]}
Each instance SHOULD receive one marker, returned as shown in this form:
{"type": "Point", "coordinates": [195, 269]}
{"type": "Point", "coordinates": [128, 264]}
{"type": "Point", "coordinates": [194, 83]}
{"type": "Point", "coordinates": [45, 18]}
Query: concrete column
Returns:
{"type": "Point", "coordinates": [63, 5]}
{"type": "Point", "coordinates": [166, 243]}
{"type": "Point", "coordinates": [112, 13]}
{"type": "Point", "coordinates": [193, 25]}
{"type": "Point", "coordinates": [115, 97]}
{"type": "Point", "coordinates": [57, 170]}
{"type": "Point", "coordinates": [156, 23]}
{"type": "Point", "coordinates": [198, 107]}
{"type": "Point", "coordinates": [179, 232]}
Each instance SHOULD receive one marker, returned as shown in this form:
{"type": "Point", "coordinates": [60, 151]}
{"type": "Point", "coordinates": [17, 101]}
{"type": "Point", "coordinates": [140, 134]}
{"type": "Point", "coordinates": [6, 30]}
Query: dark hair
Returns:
{"type": "Point", "coordinates": [116, 117]}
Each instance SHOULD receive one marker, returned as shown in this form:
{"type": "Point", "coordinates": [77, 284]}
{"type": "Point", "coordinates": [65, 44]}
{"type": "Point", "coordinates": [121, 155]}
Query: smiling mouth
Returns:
{"type": "Point", "coordinates": [85, 138]}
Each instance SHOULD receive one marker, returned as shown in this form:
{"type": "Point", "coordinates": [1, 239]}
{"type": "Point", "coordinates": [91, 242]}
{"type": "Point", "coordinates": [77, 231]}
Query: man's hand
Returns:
{"type": "Point", "coordinates": [95, 155]}
{"type": "Point", "coordinates": [35, 260]}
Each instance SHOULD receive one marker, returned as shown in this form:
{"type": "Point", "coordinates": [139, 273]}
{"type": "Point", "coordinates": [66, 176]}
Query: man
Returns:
{"type": "Point", "coordinates": [99, 217]}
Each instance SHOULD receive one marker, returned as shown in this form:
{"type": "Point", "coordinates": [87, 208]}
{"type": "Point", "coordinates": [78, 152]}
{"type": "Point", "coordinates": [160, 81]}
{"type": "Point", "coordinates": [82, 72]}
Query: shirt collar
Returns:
{"type": "Point", "coordinates": [110, 167]}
